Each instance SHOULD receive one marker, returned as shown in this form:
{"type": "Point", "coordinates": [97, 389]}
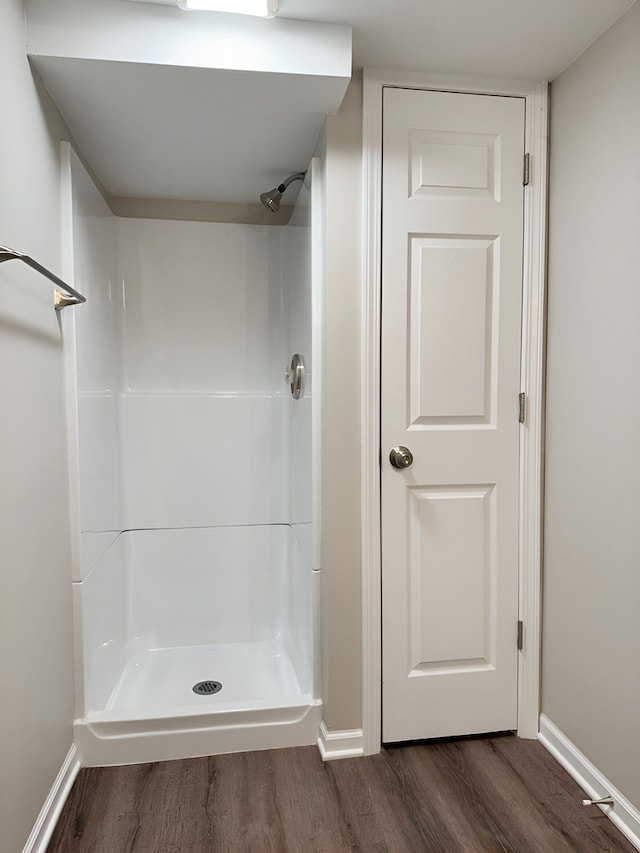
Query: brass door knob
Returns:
{"type": "Point", "coordinates": [400, 457]}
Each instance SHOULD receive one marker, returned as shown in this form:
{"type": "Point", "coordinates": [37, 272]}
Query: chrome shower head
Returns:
{"type": "Point", "coordinates": [271, 199]}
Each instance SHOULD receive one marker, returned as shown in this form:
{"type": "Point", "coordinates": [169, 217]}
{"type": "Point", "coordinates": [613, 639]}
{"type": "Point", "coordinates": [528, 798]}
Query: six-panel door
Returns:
{"type": "Point", "coordinates": [452, 232]}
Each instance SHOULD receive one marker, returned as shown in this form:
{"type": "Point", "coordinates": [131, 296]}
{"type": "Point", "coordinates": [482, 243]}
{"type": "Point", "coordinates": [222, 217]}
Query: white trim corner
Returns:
{"type": "Point", "coordinates": [370, 417]}
{"type": "Point", "coordinates": [532, 431]}
{"type": "Point", "coordinates": [596, 785]}
{"type": "Point", "coordinates": [340, 744]}
{"type": "Point", "coordinates": [50, 812]}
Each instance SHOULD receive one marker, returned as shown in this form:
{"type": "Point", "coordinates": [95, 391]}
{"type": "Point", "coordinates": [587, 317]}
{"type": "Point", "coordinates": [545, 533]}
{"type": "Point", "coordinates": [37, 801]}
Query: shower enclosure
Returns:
{"type": "Point", "coordinates": [195, 593]}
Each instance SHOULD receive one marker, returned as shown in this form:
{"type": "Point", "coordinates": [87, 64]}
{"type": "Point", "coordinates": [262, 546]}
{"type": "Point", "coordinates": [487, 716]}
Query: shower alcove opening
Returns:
{"type": "Point", "coordinates": [191, 481]}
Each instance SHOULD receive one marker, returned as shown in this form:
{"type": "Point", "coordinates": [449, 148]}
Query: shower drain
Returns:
{"type": "Point", "coordinates": [207, 688]}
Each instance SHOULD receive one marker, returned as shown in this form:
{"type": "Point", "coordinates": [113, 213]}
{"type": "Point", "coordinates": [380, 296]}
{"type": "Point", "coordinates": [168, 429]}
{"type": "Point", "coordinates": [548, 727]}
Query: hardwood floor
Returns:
{"type": "Point", "coordinates": [479, 794]}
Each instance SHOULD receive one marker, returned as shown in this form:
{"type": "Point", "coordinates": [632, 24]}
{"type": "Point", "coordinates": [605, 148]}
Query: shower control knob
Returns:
{"type": "Point", "coordinates": [295, 375]}
{"type": "Point", "coordinates": [400, 457]}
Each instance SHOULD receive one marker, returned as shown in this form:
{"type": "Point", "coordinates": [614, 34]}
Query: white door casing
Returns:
{"type": "Point", "coordinates": [452, 242]}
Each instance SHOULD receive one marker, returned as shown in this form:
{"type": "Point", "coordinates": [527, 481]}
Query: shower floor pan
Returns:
{"type": "Point", "coordinates": [154, 714]}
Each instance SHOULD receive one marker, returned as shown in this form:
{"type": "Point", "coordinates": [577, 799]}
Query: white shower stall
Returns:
{"type": "Point", "coordinates": [191, 481]}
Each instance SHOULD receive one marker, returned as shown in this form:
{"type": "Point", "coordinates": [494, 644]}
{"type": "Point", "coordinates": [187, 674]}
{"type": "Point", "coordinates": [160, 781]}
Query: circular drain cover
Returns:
{"type": "Point", "coordinates": [207, 688]}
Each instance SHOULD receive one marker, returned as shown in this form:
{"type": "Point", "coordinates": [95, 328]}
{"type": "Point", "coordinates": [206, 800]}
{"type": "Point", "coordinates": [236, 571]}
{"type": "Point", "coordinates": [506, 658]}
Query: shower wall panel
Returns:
{"type": "Point", "coordinates": [102, 614]}
{"type": "Point", "coordinates": [208, 586]}
{"type": "Point", "coordinates": [205, 460]}
{"type": "Point", "coordinates": [296, 277]}
{"type": "Point", "coordinates": [204, 409]}
{"type": "Point", "coordinates": [302, 593]}
{"type": "Point", "coordinates": [203, 307]}
{"type": "Point", "coordinates": [95, 336]}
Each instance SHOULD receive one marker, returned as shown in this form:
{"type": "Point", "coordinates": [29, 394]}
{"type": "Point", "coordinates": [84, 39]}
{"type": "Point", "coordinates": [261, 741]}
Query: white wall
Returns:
{"type": "Point", "coordinates": [35, 592]}
{"type": "Point", "coordinates": [591, 642]}
{"type": "Point", "coordinates": [341, 530]}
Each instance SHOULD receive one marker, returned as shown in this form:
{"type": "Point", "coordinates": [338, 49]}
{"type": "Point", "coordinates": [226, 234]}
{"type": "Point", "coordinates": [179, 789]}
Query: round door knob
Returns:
{"type": "Point", "coordinates": [400, 457]}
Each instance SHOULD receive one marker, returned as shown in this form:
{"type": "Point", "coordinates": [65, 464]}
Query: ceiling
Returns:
{"type": "Point", "coordinates": [209, 107]}
{"type": "Point", "coordinates": [531, 39]}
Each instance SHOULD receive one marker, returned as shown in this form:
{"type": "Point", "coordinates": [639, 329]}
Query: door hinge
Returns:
{"type": "Point", "coordinates": [522, 406]}
{"type": "Point", "coordinates": [520, 635]}
{"type": "Point", "coordinates": [525, 171]}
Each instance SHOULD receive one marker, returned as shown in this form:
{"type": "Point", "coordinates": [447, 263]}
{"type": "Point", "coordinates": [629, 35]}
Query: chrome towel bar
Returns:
{"type": "Point", "coordinates": [69, 296]}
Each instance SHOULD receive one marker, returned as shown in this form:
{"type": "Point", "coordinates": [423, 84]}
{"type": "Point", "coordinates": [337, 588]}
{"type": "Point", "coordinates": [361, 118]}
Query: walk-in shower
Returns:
{"type": "Point", "coordinates": [194, 590]}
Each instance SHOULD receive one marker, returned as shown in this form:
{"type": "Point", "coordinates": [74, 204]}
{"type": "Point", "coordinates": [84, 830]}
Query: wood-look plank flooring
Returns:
{"type": "Point", "coordinates": [489, 794]}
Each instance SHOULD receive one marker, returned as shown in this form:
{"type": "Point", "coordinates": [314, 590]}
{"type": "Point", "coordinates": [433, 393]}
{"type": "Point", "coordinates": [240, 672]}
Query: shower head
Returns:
{"type": "Point", "coordinates": [271, 199]}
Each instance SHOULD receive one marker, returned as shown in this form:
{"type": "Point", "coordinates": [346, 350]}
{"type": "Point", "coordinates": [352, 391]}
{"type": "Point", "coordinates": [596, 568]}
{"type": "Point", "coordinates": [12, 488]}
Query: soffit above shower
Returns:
{"type": "Point", "coordinates": [165, 104]}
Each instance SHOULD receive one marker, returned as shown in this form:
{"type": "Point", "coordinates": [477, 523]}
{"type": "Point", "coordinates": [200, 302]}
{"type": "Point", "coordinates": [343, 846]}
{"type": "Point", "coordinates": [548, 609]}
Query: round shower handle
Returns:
{"type": "Point", "coordinates": [401, 457]}
{"type": "Point", "coordinates": [295, 376]}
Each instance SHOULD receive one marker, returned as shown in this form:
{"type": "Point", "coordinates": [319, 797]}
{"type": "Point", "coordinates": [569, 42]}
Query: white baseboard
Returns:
{"type": "Point", "coordinates": [50, 811]}
{"type": "Point", "coordinates": [623, 814]}
{"type": "Point", "coordinates": [341, 744]}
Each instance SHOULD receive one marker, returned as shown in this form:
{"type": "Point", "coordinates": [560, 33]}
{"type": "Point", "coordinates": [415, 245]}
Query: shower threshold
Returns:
{"type": "Point", "coordinates": [153, 713]}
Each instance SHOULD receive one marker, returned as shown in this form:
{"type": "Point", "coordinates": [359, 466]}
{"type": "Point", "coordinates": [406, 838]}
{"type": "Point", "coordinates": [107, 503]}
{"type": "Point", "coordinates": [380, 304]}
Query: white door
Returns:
{"type": "Point", "coordinates": [452, 231]}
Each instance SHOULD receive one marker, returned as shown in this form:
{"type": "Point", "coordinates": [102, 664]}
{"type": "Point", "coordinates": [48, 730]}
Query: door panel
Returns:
{"type": "Point", "coordinates": [450, 577]}
{"type": "Point", "coordinates": [451, 312]}
{"type": "Point", "coordinates": [451, 308]}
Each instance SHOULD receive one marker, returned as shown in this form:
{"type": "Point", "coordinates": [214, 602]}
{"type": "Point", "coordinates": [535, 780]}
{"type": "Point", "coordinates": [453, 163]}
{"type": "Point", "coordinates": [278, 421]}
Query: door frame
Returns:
{"type": "Point", "coordinates": [532, 383]}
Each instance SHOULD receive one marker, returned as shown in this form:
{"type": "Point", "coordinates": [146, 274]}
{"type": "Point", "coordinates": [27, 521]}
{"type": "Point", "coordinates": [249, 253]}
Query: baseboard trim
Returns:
{"type": "Point", "coordinates": [50, 811]}
{"type": "Point", "coordinates": [348, 743]}
{"type": "Point", "coordinates": [623, 814]}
